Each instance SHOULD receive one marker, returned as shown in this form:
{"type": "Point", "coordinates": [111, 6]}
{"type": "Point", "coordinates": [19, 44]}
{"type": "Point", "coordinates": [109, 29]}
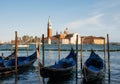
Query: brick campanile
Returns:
{"type": "Point", "coordinates": [49, 28]}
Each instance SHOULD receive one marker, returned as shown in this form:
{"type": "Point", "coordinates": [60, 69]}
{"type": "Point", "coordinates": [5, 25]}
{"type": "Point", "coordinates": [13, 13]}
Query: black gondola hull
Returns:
{"type": "Point", "coordinates": [55, 73]}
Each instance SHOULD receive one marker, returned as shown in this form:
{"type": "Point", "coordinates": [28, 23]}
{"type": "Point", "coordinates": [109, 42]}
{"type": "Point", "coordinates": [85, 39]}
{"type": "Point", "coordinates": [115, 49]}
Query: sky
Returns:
{"type": "Point", "coordinates": [86, 17]}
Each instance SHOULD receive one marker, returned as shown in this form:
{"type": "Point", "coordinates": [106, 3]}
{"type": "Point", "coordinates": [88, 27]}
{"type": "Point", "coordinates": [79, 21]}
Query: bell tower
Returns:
{"type": "Point", "coordinates": [49, 28]}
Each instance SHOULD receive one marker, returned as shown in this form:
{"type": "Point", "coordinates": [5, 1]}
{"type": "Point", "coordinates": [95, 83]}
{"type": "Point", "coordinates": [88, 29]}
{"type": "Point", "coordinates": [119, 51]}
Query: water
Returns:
{"type": "Point", "coordinates": [31, 76]}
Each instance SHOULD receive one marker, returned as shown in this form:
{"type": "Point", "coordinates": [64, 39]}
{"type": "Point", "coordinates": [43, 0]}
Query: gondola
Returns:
{"type": "Point", "coordinates": [63, 68]}
{"type": "Point", "coordinates": [93, 68]}
{"type": "Point", "coordinates": [1, 61]}
{"type": "Point", "coordinates": [11, 56]}
{"type": "Point", "coordinates": [22, 62]}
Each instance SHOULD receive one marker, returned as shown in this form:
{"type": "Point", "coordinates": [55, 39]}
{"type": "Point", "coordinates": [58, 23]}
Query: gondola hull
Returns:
{"type": "Point", "coordinates": [91, 75]}
{"type": "Point", "coordinates": [63, 68]}
{"type": "Point", "coordinates": [22, 62]}
{"type": "Point", "coordinates": [47, 72]}
{"type": "Point", "coordinates": [93, 68]}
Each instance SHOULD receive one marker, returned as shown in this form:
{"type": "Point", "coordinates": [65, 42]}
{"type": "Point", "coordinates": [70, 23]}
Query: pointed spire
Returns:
{"type": "Point", "coordinates": [49, 23]}
{"type": "Point", "coordinates": [49, 28]}
{"type": "Point", "coordinates": [49, 19]}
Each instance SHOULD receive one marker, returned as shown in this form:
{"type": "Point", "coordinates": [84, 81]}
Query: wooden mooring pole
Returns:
{"type": "Point", "coordinates": [2, 54]}
{"type": "Point", "coordinates": [16, 56]}
{"type": "Point", "coordinates": [108, 49]}
{"type": "Point", "coordinates": [104, 54]}
{"type": "Point", "coordinates": [104, 59]}
{"type": "Point", "coordinates": [43, 49]}
{"type": "Point", "coordinates": [81, 55]}
{"type": "Point", "coordinates": [76, 57]}
{"type": "Point", "coordinates": [58, 49]}
{"type": "Point", "coordinates": [16, 50]}
{"type": "Point", "coordinates": [38, 57]}
{"type": "Point", "coordinates": [27, 50]}
{"type": "Point", "coordinates": [43, 58]}
{"type": "Point", "coordinates": [38, 54]}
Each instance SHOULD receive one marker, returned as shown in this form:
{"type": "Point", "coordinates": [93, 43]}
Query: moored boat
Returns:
{"type": "Point", "coordinates": [62, 68]}
{"type": "Point", "coordinates": [93, 67]}
{"type": "Point", "coordinates": [21, 46]}
{"type": "Point", "coordinates": [11, 56]}
{"type": "Point", "coordinates": [22, 62]}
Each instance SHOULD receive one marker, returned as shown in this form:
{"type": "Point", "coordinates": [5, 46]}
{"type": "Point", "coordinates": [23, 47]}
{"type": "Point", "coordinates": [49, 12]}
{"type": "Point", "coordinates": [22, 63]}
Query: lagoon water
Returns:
{"type": "Point", "coordinates": [31, 75]}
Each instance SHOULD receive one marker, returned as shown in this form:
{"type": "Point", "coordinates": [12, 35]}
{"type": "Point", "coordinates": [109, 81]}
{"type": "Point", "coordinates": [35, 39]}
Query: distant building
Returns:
{"type": "Point", "coordinates": [49, 29]}
{"type": "Point", "coordinates": [63, 38]}
{"type": "Point", "coordinates": [93, 40]}
{"type": "Point", "coordinates": [26, 40]}
{"type": "Point", "coordinates": [1, 42]}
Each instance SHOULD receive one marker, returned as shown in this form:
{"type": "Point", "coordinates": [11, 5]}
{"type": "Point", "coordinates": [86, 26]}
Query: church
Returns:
{"type": "Point", "coordinates": [64, 38]}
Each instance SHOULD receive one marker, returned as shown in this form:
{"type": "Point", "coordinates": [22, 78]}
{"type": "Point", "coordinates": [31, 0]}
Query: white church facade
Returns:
{"type": "Point", "coordinates": [64, 38]}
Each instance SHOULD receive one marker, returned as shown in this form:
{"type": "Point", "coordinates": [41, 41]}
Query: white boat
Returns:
{"type": "Point", "coordinates": [21, 46]}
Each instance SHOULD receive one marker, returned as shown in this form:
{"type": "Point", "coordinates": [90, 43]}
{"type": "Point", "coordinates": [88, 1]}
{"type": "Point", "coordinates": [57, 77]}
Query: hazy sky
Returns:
{"type": "Point", "coordinates": [87, 17]}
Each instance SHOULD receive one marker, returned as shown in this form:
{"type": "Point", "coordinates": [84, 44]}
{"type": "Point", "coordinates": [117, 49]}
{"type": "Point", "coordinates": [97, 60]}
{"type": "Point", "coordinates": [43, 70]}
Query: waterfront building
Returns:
{"type": "Point", "coordinates": [64, 38]}
{"type": "Point", "coordinates": [1, 42]}
{"type": "Point", "coordinates": [93, 40]}
{"type": "Point", "coordinates": [49, 28]}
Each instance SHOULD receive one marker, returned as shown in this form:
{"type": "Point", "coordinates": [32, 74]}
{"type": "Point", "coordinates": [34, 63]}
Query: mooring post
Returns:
{"type": "Point", "coordinates": [38, 54]}
{"type": "Point", "coordinates": [16, 79]}
{"type": "Point", "coordinates": [104, 59]}
{"type": "Point", "coordinates": [81, 55]}
{"type": "Point", "coordinates": [2, 54]}
{"type": "Point", "coordinates": [27, 50]}
{"type": "Point", "coordinates": [105, 53]}
{"type": "Point", "coordinates": [76, 57]}
{"type": "Point", "coordinates": [16, 50]}
{"type": "Point", "coordinates": [108, 49]}
{"type": "Point", "coordinates": [58, 49]}
{"type": "Point", "coordinates": [38, 57]}
{"type": "Point", "coordinates": [43, 58]}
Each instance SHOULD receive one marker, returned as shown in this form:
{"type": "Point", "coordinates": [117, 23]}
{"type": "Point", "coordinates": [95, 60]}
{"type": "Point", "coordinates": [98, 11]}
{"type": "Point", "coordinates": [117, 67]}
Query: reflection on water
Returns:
{"type": "Point", "coordinates": [31, 75]}
{"type": "Point", "coordinates": [62, 80]}
{"type": "Point", "coordinates": [93, 82]}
